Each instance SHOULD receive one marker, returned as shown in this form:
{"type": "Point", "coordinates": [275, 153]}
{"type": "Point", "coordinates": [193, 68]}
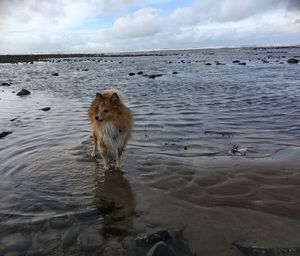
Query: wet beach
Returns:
{"type": "Point", "coordinates": [214, 155]}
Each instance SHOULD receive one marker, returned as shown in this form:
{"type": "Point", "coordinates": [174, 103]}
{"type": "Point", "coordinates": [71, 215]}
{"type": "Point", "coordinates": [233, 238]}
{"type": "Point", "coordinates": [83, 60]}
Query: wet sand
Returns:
{"type": "Point", "coordinates": [56, 200]}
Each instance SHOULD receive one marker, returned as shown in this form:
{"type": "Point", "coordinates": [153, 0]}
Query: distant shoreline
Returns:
{"type": "Point", "coordinates": [16, 58]}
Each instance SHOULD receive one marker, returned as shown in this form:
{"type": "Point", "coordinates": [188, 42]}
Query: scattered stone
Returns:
{"type": "Point", "coordinates": [238, 151]}
{"type": "Point", "coordinates": [16, 242]}
{"type": "Point", "coordinates": [5, 84]}
{"type": "Point", "coordinates": [265, 61]}
{"type": "Point", "coordinates": [60, 222]}
{"type": "Point", "coordinates": [45, 109]}
{"type": "Point", "coordinates": [293, 61]}
{"type": "Point", "coordinates": [153, 76]}
{"type": "Point", "coordinates": [161, 249]}
{"type": "Point", "coordinates": [131, 74]}
{"type": "Point", "coordinates": [218, 133]}
{"type": "Point", "coordinates": [208, 64]}
{"type": "Point", "coordinates": [219, 63]}
{"type": "Point", "coordinates": [14, 119]}
{"type": "Point", "coordinates": [236, 61]}
{"type": "Point", "coordinates": [281, 62]}
{"type": "Point", "coordinates": [90, 241]}
{"type": "Point", "coordinates": [4, 134]}
{"type": "Point", "coordinates": [162, 235]}
{"type": "Point", "coordinates": [260, 251]}
{"type": "Point", "coordinates": [70, 237]}
{"type": "Point", "coordinates": [85, 69]}
{"type": "Point", "coordinates": [185, 148]}
{"type": "Point", "coordinates": [55, 74]}
{"type": "Point", "coordinates": [242, 63]}
{"type": "Point", "coordinates": [23, 92]}
{"type": "Point", "coordinates": [140, 72]}
{"type": "Point", "coordinates": [175, 72]}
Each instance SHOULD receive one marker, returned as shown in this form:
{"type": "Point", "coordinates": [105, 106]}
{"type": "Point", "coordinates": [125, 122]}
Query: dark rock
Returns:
{"type": "Point", "coordinates": [175, 72]}
{"type": "Point", "coordinates": [162, 235]}
{"type": "Point", "coordinates": [5, 84]}
{"type": "Point", "coordinates": [208, 64]}
{"type": "Point", "coordinates": [140, 72]}
{"type": "Point", "coordinates": [55, 74]}
{"type": "Point", "coordinates": [45, 109]}
{"type": "Point", "coordinates": [70, 237]}
{"type": "Point", "coordinates": [14, 119]}
{"type": "Point", "coordinates": [219, 63]}
{"type": "Point", "coordinates": [161, 249]}
{"type": "Point", "coordinates": [16, 243]}
{"type": "Point", "coordinates": [185, 148]}
{"type": "Point", "coordinates": [4, 134]}
{"type": "Point", "coordinates": [265, 61]}
{"type": "Point", "coordinates": [260, 251]}
{"type": "Point", "coordinates": [219, 133]}
{"type": "Point", "coordinates": [293, 61]}
{"type": "Point", "coordinates": [85, 69]}
{"type": "Point", "coordinates": [131, 74]}
{"type": "Point", "coordinates": [153, 76]}
{"type": "Point", "coordinates": [281, 62]}
{"type": "Point", "coordinates": [242, 63]}
{"type": "Point", "coordinates": [236, 61]}
{"type": "Point", "coordinates": [23, 92]}
{"type": "Point", "coordinates": [60, 222]}
{"type": "Point", "coordinates": [90, 241]}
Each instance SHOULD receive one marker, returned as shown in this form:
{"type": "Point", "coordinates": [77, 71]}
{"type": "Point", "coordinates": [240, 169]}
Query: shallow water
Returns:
{"type": "Point", "coordinates": [177, 172]}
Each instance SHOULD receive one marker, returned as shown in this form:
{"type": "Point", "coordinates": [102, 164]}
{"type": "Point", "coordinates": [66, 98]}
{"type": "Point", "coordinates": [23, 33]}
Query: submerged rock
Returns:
{"type": "Point", "coordinates": [161, 249]}
{"type": "Point", "coordinates": [131, 74]}
{"type": "Point", "coordinates": [4, 134]}
{"type": "Point", "coordinates": [260, 251]}
{"type": "Point", "coordinates": [140, 72]}
{"type": "Point", "coordinates": [208, 64]}
{"type": "Point", "coordinates": [23, 92]}
{"type": "Point", "coordinates": [293, 61]}
{"type": "Point", "coordinates": [162, 235]}
{"type": "Point", "coordinates": [5, 84]}
{"type": "Point", "coordinates": [153, 76]}
{"type": "Point", "coordinates": [55, 74]}
{"type": "Point", "coordinates": [236, 61]}
{"type": "Point", "coordinates": [45, 109]}
{"type": "Point", "coordinates": [242, 63]}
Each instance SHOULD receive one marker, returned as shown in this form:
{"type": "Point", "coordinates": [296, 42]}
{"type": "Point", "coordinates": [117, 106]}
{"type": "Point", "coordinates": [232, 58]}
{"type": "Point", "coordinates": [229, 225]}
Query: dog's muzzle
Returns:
{"type": "Point", "coordinates": [100, 118]}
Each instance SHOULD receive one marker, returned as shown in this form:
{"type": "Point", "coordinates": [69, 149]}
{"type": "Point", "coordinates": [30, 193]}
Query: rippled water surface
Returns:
{"type": "Point", "coordinates": [178, 170]}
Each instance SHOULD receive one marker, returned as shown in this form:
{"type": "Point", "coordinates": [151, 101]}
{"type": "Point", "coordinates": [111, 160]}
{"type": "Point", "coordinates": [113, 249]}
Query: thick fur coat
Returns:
{"type": "Point", "coordinates": [112, 125]}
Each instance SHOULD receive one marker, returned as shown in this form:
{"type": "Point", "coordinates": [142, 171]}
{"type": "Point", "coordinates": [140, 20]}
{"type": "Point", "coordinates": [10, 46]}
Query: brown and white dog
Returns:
{"type": "Point", "coordinates": [112, 125]}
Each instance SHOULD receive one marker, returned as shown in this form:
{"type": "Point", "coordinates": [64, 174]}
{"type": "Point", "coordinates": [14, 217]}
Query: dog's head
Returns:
{"type": "Point", "coordinates": [106, 106]}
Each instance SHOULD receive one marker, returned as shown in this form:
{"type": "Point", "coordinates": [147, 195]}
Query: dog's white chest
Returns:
{"type": "Point", "coordinates": [113, 139]}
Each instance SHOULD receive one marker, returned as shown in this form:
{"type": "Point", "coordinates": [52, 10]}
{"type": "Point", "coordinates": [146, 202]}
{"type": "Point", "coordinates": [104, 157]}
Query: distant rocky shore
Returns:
{"type": "Point", "coordinates": [42, 57]}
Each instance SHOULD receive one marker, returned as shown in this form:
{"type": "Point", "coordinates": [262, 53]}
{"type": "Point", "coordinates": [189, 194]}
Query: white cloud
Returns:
{"type": "Point", "coordinates": [142, 23]}
{"type": "Point", "coordinates": [65, 25]}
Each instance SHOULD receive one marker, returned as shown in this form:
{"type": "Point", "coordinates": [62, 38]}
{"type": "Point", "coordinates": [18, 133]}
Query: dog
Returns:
{"type": "Point", "coordinates": [112, 125]}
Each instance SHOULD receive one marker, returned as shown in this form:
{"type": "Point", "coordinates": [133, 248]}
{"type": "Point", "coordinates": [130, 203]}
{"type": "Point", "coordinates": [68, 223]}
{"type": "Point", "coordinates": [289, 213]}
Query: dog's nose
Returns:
{"type": "Point", "coordinates": [99, 118]}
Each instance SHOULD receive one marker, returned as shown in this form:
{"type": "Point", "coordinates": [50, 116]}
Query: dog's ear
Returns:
{"type": "Point", "coordinates": [99, 96]}
{"type": "Point", "coordinates": [115, 98]}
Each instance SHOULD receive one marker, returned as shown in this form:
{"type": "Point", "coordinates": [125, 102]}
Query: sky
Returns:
{"type": "Point", "coordinates": [99, 26]}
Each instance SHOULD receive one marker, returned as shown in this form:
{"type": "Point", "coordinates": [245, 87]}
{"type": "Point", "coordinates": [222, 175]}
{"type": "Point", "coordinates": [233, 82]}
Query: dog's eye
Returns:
{"type": "Point", "coordinates": [105, 110]}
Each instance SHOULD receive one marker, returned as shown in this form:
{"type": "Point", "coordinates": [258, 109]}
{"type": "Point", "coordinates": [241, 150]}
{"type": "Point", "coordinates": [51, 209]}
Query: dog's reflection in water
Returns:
{"type": "Point", "coordinates": [115, 201]}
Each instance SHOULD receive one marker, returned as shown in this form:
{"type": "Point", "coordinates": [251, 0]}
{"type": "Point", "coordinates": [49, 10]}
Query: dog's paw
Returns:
{"type": "Point", "coordinates": [93, 154]}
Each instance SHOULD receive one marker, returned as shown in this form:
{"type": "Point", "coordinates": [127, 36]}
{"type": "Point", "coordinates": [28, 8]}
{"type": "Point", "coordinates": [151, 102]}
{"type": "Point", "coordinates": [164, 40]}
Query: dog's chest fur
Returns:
{"type": "Point", "coordinates": [113, 138]}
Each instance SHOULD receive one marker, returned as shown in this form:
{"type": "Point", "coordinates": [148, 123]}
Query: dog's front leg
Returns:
{"type": "Point", "coordinates": [93, 154]}
{"type": "Point", "coordinates": [103, 153]}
